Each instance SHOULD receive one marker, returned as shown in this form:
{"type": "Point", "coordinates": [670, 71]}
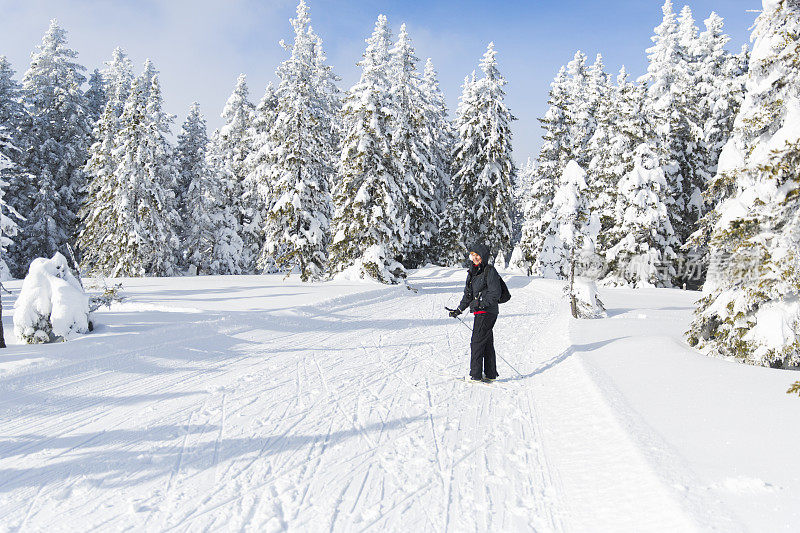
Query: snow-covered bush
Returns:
{"type": "Point", "coordinates": [584, 293]}
{"type": "Point", "coordinates": [52, 304]}
{"type": "Point", "coordinates": [517, 263]}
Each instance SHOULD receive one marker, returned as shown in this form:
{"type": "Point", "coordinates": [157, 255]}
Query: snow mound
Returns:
{"type": "Point", "coordinates": [587, 298]}
{"type": "Point", "coordinates": [51, 303]}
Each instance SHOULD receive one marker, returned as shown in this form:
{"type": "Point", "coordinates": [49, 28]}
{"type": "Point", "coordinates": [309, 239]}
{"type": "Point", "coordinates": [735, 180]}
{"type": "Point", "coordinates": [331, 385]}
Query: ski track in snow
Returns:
{"type": "Point", "coordinates": [337, 415]}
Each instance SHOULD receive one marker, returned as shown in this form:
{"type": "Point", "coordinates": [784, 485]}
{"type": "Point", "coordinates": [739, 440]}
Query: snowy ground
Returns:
{"type": "Point", "coordinates": [253, 403]}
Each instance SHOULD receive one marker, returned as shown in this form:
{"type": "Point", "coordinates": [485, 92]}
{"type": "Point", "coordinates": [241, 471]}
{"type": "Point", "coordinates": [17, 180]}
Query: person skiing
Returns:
{"type": "Point", "coordinates": [481, 295]}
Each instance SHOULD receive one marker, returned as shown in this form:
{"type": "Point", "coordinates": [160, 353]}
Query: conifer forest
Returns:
{"type": "Point", "coordinates": [685, 176]}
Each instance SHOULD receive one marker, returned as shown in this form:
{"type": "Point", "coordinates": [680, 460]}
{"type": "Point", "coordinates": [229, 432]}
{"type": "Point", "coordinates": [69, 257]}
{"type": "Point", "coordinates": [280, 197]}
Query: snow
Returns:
{"type": "Point", "coordinates": [264, 403]}
{"type": "Point", "coordinates": [51, 301]}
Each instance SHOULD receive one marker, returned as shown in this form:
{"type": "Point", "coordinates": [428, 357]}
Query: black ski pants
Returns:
{"type": "Point", "coordinates": [482, 345]}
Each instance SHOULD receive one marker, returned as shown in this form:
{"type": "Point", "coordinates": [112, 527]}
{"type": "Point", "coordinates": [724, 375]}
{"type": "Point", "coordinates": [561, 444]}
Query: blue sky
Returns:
{"type": "Point", "coordinates": [200, 46]}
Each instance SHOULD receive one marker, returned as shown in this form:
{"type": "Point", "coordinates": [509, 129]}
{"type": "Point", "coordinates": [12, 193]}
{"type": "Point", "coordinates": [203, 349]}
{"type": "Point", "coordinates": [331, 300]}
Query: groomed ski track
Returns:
{"type": "Point", "coordinates": [234, 405]}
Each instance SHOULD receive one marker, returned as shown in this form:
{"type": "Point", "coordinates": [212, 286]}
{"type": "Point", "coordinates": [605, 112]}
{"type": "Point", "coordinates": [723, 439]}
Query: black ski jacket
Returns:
{"type": "Point", "coordinates": [482, 290]}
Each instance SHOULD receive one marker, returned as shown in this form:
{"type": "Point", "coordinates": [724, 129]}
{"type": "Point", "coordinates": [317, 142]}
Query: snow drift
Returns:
{"type": "Point", "coordinates": [51, 304]}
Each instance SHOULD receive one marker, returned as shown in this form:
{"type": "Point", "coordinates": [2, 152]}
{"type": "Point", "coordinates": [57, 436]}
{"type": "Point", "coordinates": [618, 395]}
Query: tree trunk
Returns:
{"type": "Point", "coordinates": [572, 303]}
{"type": "Point", "coordinates": [2, 335]}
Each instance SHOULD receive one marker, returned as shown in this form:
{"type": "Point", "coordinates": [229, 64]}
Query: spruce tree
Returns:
{"type": "Point", "coordinates": [671, 106]}
{"type": "Point", "coordinates": [230, 147]}
{"type": "Point", "coordinates": [8, 215]}
{"type": "Point", "coordinates": [298, 224]}
{"type": "Point", "coordinates": [749, 310]}
{"type": "Point", "coordinates": [440, 138]}
{"type": "Point", "coordinates": [413, 153]}
{"type": "Point", "coordinates": [369, 226]}
{"type": "Point", "coordinates": [95, 96]}
{"type": "Point", "coordinates": [210, 240]}
{"type": "Point", "coordinates": [570, 229]}
{"type": "Point", "coordinates": [59, 136]}
{"type": "Point", "coordinates": [720, 84]}
{"type": "Point", "coordinates": [257, 194]}
{"type": "Point", "coordinates": [644, 250]}
{"type": "Point", "coordinates": [15, 122]}
{"type": "Point", "coordinates": [141, 232]}
{"type": "Point", "coordinates": [553, 157]}
{"type": "Point", "coordinates": [454, 240]}
{"type": "Point", "coordinates": [484, 167]}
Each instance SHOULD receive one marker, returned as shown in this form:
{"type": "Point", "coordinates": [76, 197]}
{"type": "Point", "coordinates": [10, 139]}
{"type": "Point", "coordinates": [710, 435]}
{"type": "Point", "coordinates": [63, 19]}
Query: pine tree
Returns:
{"type": "Point", "coordinates": [720, 84]}
{"type": "Point", "coordinates": [750, 309]}
{"type": "Point", "coordinates": [117, 79]}
{"type": "Point", "coordinates": [230, 147]}
{"type": "Point", "coordinates": [671, 104]}
{"type": "Point", "coordinates": [95, 96]}
{"type": "Point", "coordinates": [191, 159]}
{"type": "Point", "coordinates": [553, 157]}
{"type": "Point", "coordinates": [140, 205]}
{"type": "Point", "coordinates": [644, 249]}
{"type": "Point", "coordinates": [8, 215]}
{"type": "Point", "coordinates": [257, 193]}
{"type": "Point", "coordinates": [60, 133]}
{"type": "Point", "coordinates": [413, 153]}
{"type": "Point", "coordinates": [440, 139]}
{"type": "Point", "coordinates": [298, 224]}
{"type": "Point", "coordinates": [454, 240]}
{"type": "Point", "coordinates": [14, 119]}
{"type": "Point", "coordinates": [104, 226]}
{"type": "Point", "coordinates": [622, 127]}
{"type": "Point", "coordinates": [484, 167]}
{"type": "Point", "coordinates": [579, 110]}
{"type": "Point", "coordinates": [369, 226]}
{"type": "Point", "coordinates": [211, 242]}
{"type": "Point", "coordinates": [570, 228]}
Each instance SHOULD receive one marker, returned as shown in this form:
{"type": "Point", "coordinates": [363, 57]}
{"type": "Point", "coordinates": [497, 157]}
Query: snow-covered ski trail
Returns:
{"type": "Point", "coordinates": [338, 414]}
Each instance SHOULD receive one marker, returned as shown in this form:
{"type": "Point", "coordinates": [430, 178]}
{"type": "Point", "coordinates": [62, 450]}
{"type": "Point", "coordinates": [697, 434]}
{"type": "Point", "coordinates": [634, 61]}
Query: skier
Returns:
{"type": "Point", "coordinates": [481, 295]}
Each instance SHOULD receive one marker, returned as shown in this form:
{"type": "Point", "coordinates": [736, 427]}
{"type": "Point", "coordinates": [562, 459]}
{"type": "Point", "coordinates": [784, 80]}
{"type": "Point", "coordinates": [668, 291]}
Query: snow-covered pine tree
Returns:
{"type": "Point", "coordinates": [413, 153]}
{"type": "Point", "coordinates": [605, 166]}
{"type": "Point", "coordinates": [751, 309]}
{"type": "Point", "coordinates": [670, 109]}
{"type": "Point", "coordinates": [14, 118]}
{"type": "Point", "coordinates": [143, 207]}
{"type": "Point", "coordinates": [553, 157]}
{"type": "Point", "coordinates": [522, 191]}
{"type": "Point", "coordinates": [720, 84]}
{"type": "Point", "coordinates": [190, 154]}
{"type": "Point", "coordinates": [211, 242]}
{"type": "Point", "coordinates": [117, 79]}
{"type": "Point", "coordinates": [451, 232]}
{"type": "Point", "coordinates": [484, 168]}
{"type": "Point", "coordinates": [257, 194]}
{"type": "Point", "coordinates": [60, 134]}
{"type": "Point", "coordinates": [570, 230]}
{"type": "Point", "coordinates": [104, 228]}
{"type": "Point", "coordinates": [369, 227]}
{"type": "Point", "coordinates": [230, 146]}
{"type": "Point", "coordinates": [95, 96]}
{"type": "Point", "coordinates": [580, 115]}
{"type": "Point", "coordinates": [440, 138]}
{"type": "Point", "coordinates": [8, 216]}
{"type": "Point", "coordinates": [298, 223]}
{"type": "Point", "coordinates": [644, 251]}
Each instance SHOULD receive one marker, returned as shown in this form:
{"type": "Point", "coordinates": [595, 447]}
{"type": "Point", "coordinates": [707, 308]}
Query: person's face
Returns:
{"type": "Point", "coordinates": [475, 258]}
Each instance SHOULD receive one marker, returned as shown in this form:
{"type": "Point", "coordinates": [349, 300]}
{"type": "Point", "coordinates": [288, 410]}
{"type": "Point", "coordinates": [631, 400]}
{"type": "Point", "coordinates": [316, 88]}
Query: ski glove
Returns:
{"type": "Point", "coordinates": [454, 313]}
{"type": "Point", "coordinates": [475, 305]}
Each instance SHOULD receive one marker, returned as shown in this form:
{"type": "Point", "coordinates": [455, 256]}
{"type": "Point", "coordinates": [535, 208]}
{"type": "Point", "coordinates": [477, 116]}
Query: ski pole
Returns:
{"type": "Point", "coordinates": [459, 319]}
